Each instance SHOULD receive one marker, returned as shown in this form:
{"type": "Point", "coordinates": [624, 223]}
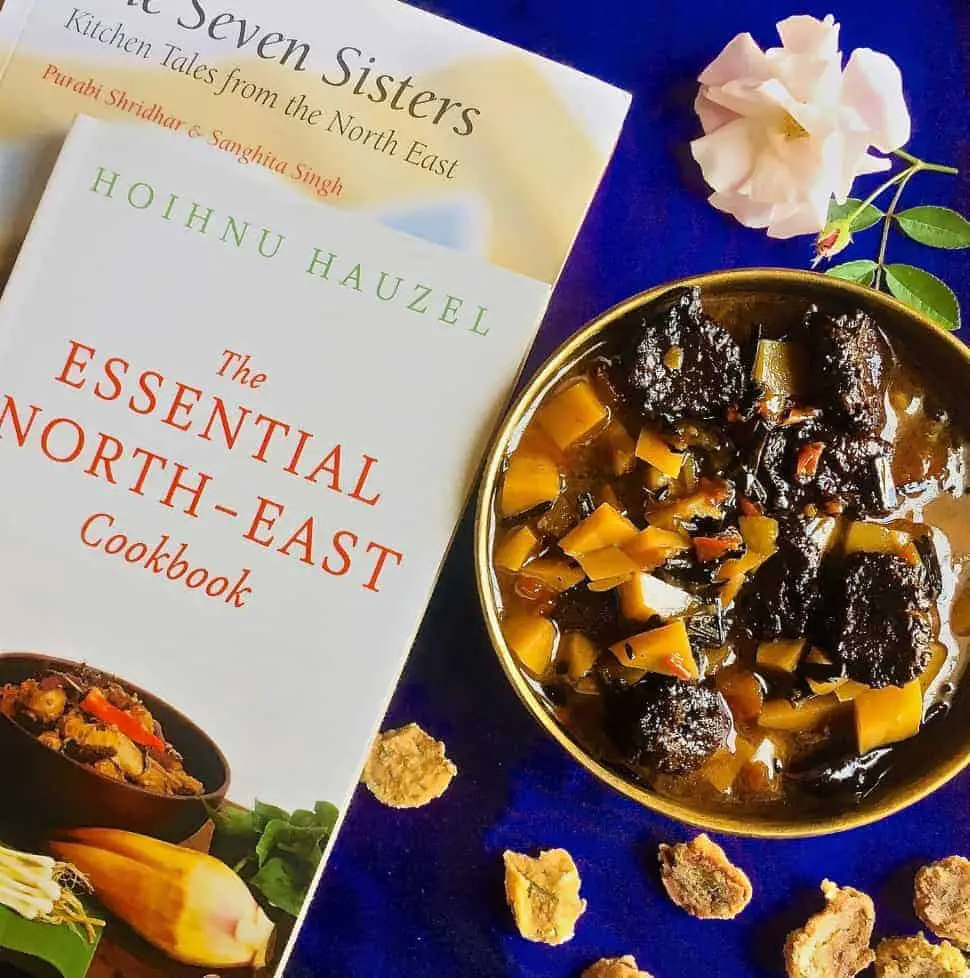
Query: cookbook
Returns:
{"type": "Point", "coordinates": [373, 106]}
{"type": "Point", "coordinates": [237, 432]}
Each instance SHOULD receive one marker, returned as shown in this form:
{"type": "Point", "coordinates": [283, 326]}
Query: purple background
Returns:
{"type": "Point", "coordinates": [409, 895]}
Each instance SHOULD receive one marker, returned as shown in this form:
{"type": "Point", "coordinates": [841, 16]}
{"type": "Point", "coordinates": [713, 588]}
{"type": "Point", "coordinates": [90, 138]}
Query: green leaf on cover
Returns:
{"type": "Point", "coordinates": [263, 814]}
{"type": "Point", "coordinates": [234, 822]}
{"type": "Point", "coordinates": [925, 293]}
{"type": "Point", "coordinates": [866, 218]}
{"type": "Point", "coordinates": [863, 271]}
{"type": "Point", "coordinates": [283, 886]}
{"type": "Point", "coordinates": [49, 949]}
{"type": "Point", "coordinates": [938, 227]}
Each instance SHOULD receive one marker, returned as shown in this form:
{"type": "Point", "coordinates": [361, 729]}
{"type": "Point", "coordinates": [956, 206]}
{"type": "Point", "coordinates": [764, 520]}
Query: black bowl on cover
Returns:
{"type": "Point", "coordinates": [43, 791]}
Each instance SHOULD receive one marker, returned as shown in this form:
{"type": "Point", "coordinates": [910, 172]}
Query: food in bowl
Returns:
{"type": "Point", "coordinates": [98, 723]}
{"type": "Point", "coordinates": [722, 555]}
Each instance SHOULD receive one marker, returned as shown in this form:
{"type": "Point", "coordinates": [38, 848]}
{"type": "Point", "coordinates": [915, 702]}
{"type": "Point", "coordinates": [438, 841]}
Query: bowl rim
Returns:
{"type": "Point", "coordinates": [210, 796]}
{"type": "Point", "coordinates": [524, 402]}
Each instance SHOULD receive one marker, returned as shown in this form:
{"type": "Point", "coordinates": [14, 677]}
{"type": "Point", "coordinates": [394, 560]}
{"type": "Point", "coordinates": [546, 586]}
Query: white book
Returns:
{"type": "Point", "coordinates": [236, 435]}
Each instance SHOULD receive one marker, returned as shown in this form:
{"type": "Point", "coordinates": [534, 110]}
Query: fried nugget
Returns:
{"type": "Point", "coordinates": [835, 942]}
{"type": "Point", "coordinates": [915, 957]}
{"type": "Point", "coordinates": [543, 894]}
{"type": "Point", "coordinates": [942, 899]}
{"type": "Point", "coordinates": [625, 967]}
{"type": "Point", "coordinates": [700, 879]}
{"type": "Point", "coordinates": [407, 768]}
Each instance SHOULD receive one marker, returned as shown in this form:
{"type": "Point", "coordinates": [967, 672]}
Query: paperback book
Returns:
{"type": "Point", "coordinates": [237, 432]}
{"type": "Point", "coordinates": [374, 106]}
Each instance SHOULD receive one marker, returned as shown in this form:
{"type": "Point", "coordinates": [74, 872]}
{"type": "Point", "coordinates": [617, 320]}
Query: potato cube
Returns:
{"type": "Point", "coordinates": [743, 691]}
{"type": "Point", "coordinates": [655, 480]}
{"type": "Point", "coordinates": [515, 548]}
{"type": "Point", "coordinates": [530, 480]}
{"type": "Point", "coordinates": [732, 587]}
{"type": "Point", "coordinates": [532, 640]}
{"type": "Point", "coordinates": [666, 650]}
{"type": "Point", "coordinates": [555, 572]}
{"type": "Point", "coordinates": [808, 715]}
{"type": "Point", "coordinates": [622, 447]}
{"type": "Point", "coordinates": [653, 449]}
{"type": "Point", "coordinates": [722, 770]}
{"type": "Point", "coordinates": [573, 414]}
{"type": "Point", "coordinates": [850, 691]}
{"type": "Point", "coordinates": [534, 441]}
{"type": "Point", "coordinates": [608, 584]}
{"type": "Point", "coordinates": [608, 495]}
{"type": "Point", "coordinates": [875, 538]}
{"type": "Point", "coordinates": [604, 528]}
{"type": "Point", "coordinates": [577, 655]}
{"type": "Point", "coordinates": [781, 656]}
{"type": "Point", "coordinates": [760, 533]}
{"type": "Point", "coordinates": [644, 596]}
{"type": "Point", "coordinates": [887, 716]}
{"type": "Point", "coordinates": [706, 502]}
{"type": "Point", "coordinates": [606, 564]}
{"type": "Point", "coordinates": [822, 687]}
{"type": "Point", "coordinates": [652, 546]}
{"type": "Point", "coordinates": [746, 564]}
{"type": "Point", "coordinates": [762, 773]}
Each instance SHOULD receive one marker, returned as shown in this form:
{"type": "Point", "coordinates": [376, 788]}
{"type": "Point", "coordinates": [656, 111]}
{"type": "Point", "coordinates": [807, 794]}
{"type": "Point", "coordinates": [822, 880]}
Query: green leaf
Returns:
{"type": "Point", "coordinates": [263, 814]}
{"type": "Point", "coordinates": [301, 817]}
{"type": "Point", "coordinates": [58, 946]}
{"type": "Point", "coordinates": [303, 841]}
{"type": "Point", "coordinates": [868, 216]}
{"type": "Point", "coordinates": [234, 822]}
{"type": "Point", "coordinates": [924, 293]}
{"type": "Point", "coordinates": [283, 886]}
{"type": "Point", "coordinates": [326, 814]}
{"type": "Point", "coordinates": [862, 271]}
{"type": "Point", "coordinates": [284, 849]}
{"type": "Point", "coordinates": [938, 227]}
{"type": "Point", "coordinates": [273, 832]}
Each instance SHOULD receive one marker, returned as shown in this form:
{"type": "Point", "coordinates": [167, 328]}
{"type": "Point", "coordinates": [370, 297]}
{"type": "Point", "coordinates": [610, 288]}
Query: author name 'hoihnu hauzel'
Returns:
{"type": "Point", "coordinates": [328, 266]}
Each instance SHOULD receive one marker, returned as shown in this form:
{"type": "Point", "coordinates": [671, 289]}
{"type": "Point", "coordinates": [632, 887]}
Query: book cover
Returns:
{"type": "Point", "coordinates": [374, 106]}
{"type": "Point", "coordinates": [237, 433]}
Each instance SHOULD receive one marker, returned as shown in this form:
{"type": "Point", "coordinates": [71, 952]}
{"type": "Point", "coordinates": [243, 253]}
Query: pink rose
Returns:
{"type": "Point", "coordinates": [788, 129]}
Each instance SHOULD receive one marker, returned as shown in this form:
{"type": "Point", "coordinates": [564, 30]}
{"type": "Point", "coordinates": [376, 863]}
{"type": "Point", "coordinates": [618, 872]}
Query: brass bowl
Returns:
{"type": "Point", "coordinates": [747, 295]}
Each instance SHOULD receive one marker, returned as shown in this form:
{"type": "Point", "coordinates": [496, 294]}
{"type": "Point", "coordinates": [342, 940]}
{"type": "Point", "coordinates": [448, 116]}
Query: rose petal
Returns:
{"type": "Point", "coordinates": [712, 115]}
{"type": "Point", "coordinates": [856, 162]}
{"type": "Point", "coordinates": [803, 34]}
{"type": "Point", "coordinates": [726, 156]}
{"type": "Point", "coordinates": [748, 212]}
{"type": "Point", "coordinates": [873, 86]}
{"type": "Point", "coordinates": [744, 98]}
{"type": "Point", "coordinates": [809, 79]}
{"type": "Point", "coordinates": [774, 178]}
{"type": "Point", "coordinates": [807, 217]}
{"type": "Point", "coordinates": [740, 57]}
